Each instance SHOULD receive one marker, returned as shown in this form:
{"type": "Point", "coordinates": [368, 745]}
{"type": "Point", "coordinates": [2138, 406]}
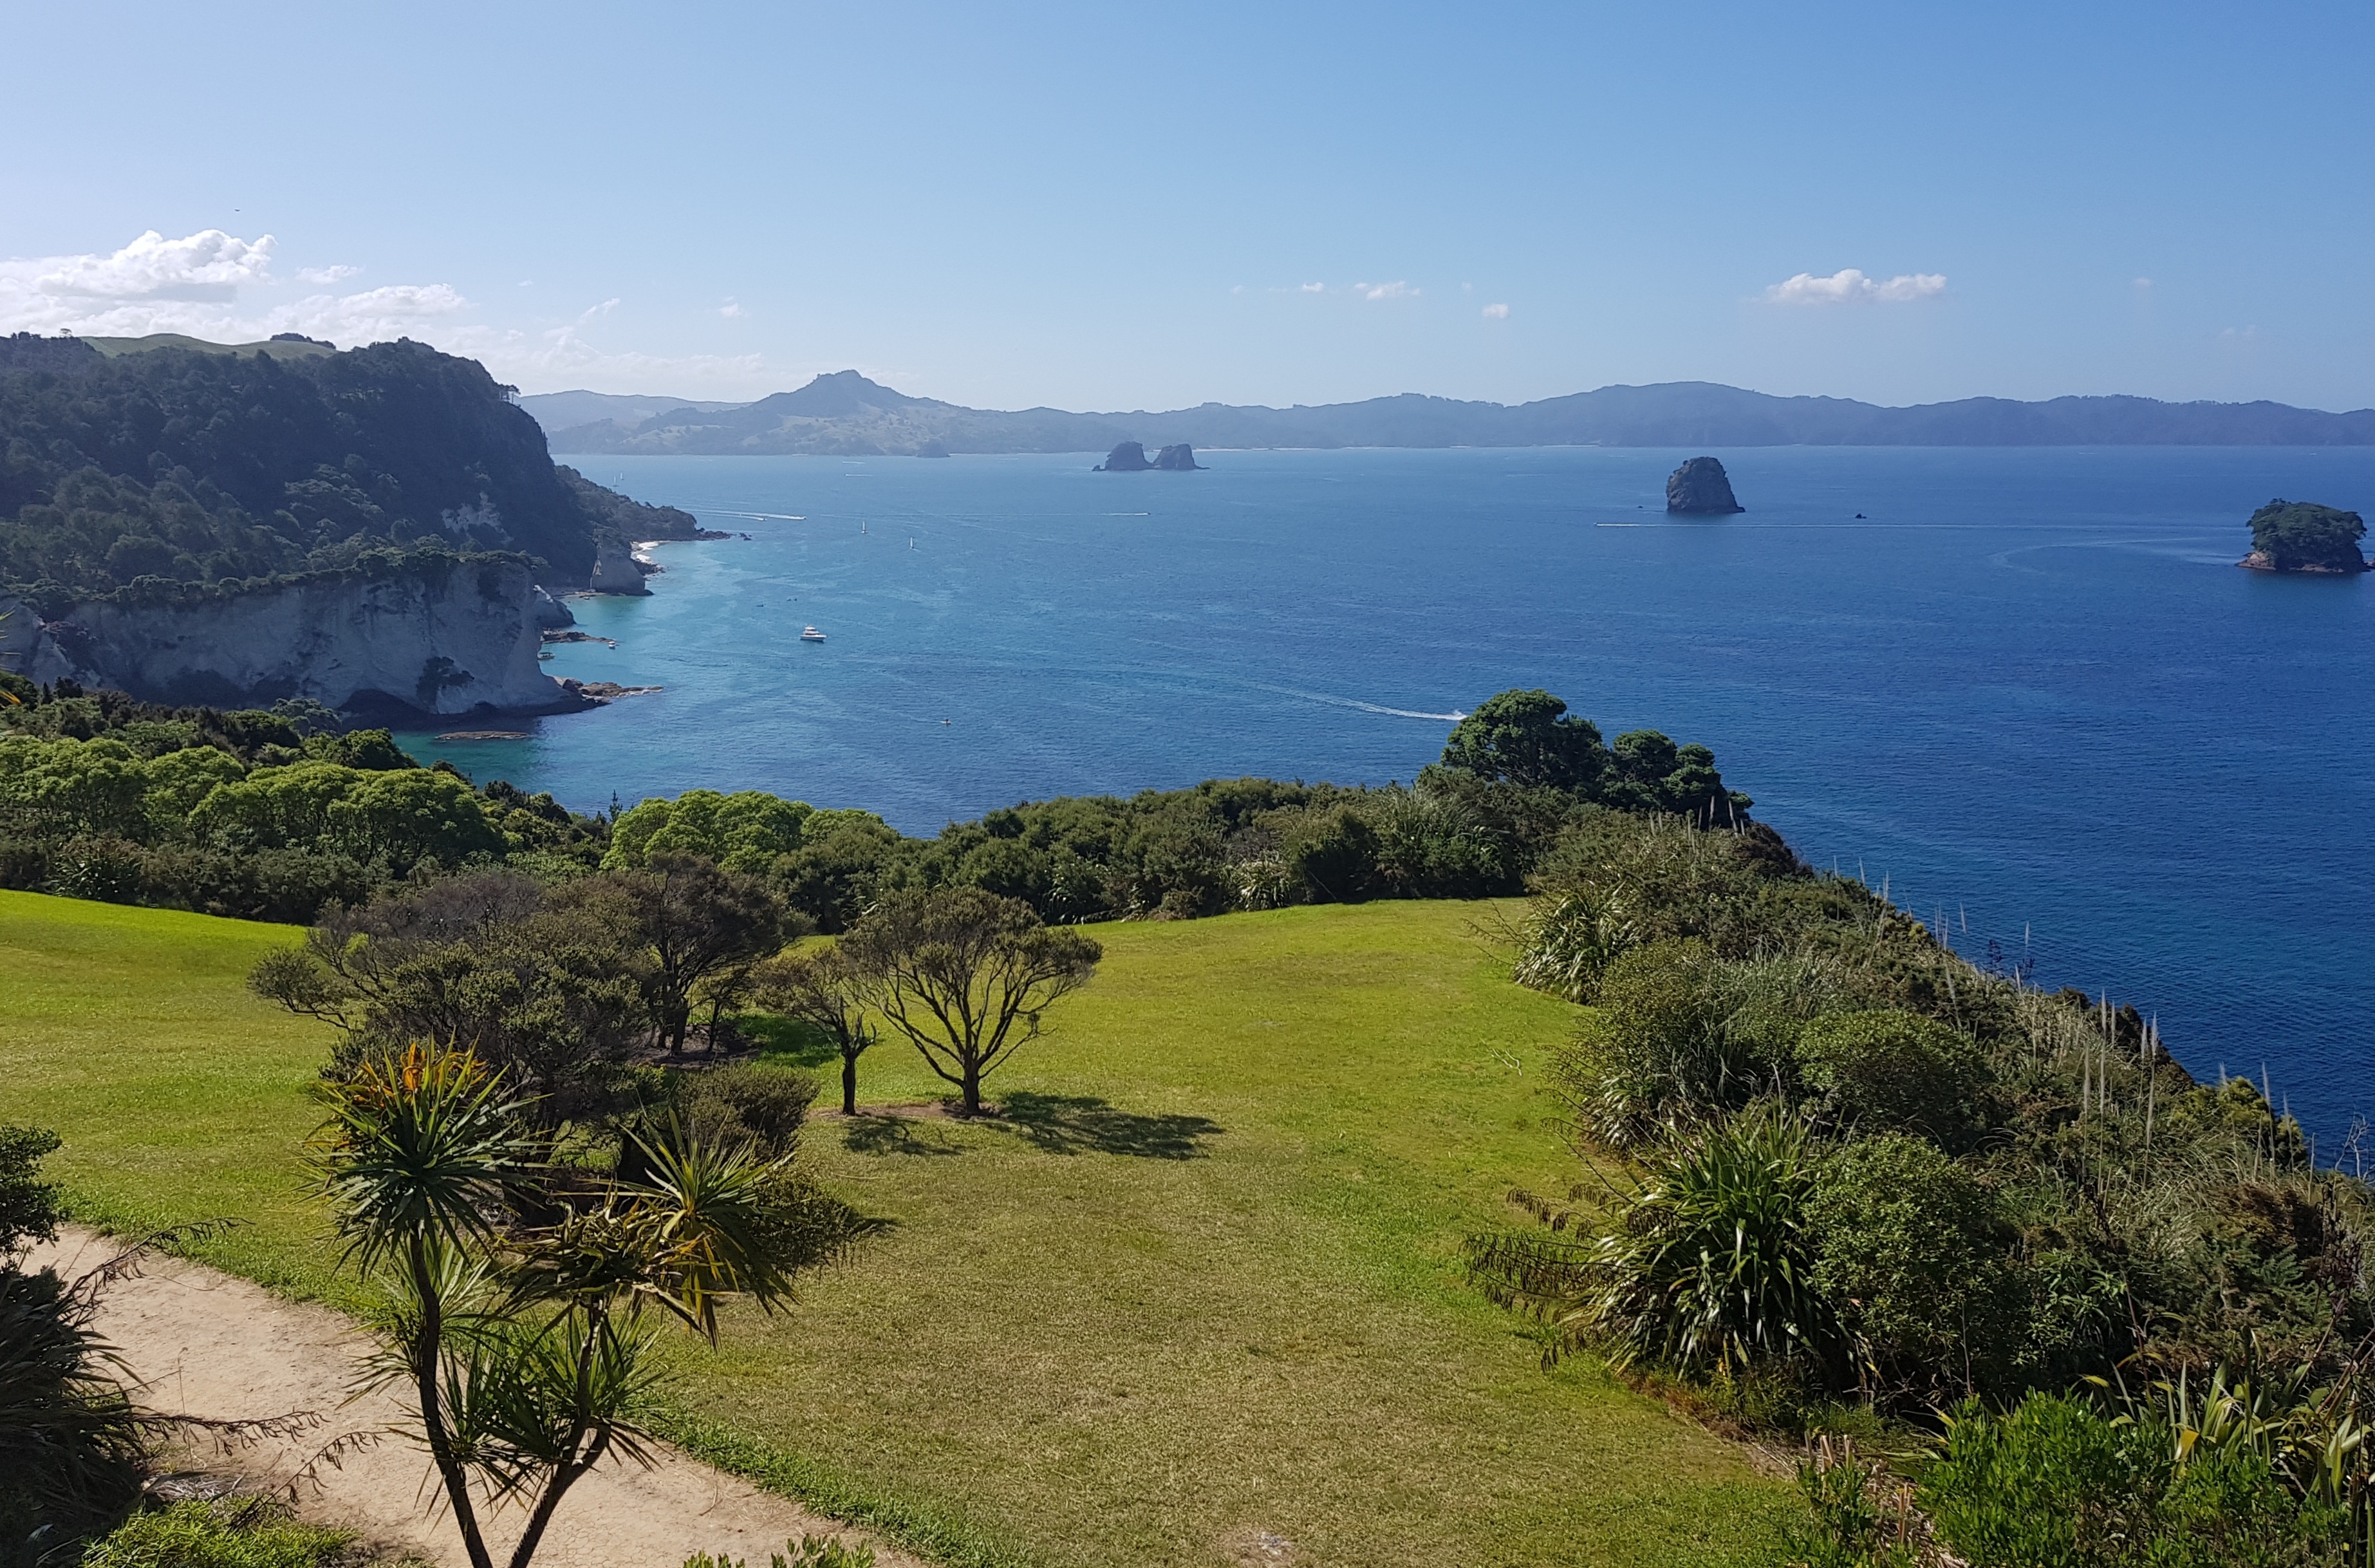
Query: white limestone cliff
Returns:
{"type": "Point", "coordinates": [439, 637]}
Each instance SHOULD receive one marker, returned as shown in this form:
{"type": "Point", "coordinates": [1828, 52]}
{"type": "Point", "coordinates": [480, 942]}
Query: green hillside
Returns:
{"type": "Point", "coordinates": [1200, 1287]}
{"type": "Point", "coordinates": [291, 348]}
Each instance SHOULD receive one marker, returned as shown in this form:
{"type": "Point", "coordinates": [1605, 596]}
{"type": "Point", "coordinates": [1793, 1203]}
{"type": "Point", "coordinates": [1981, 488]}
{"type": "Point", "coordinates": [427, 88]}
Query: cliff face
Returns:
{"type": "Point", "coordinates": [438, 638]}
{"type": "Point", "coordinates": [615, 570]}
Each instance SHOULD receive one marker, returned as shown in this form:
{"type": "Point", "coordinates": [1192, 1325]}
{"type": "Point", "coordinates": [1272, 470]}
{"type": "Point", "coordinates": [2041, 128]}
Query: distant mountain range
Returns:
{"type": "Point", "coordinates": [847, 415]}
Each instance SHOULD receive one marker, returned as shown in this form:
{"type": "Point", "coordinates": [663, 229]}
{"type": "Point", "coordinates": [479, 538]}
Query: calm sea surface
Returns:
{"type": "Point", "coordinates": [2027, 688]}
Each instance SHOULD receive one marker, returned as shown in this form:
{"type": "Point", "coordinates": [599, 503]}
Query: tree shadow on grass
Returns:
{"type": "Point", "coordinates": [788, 1043]}
{"type": "Point", "coordinates": [865, 1134]}
{"type": "Point", "coordinates": [1082, 1124]}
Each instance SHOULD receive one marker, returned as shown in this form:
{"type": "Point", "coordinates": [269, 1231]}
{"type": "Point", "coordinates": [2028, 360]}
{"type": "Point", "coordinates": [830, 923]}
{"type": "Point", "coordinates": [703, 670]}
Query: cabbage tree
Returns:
{"type": "Point", "coordinates": [523, 1299]}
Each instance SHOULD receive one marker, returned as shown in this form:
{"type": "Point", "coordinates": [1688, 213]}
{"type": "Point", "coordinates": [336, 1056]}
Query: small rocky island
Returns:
{"type": "Point", "coordinates": [1130, 458]}
{"type": "Point", "coordinates": [2302, 535]}
{"type": "Point", "coordinates": [1701, 489]}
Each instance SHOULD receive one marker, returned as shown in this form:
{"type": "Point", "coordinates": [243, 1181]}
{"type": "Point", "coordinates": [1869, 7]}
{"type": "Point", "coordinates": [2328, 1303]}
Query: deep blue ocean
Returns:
{"type": "Point", "coordinates": [2027, 687]}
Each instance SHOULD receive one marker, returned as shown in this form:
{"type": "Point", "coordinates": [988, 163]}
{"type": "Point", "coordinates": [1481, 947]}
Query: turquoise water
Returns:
{"type": "Point", "coordinates": [2029, 689]}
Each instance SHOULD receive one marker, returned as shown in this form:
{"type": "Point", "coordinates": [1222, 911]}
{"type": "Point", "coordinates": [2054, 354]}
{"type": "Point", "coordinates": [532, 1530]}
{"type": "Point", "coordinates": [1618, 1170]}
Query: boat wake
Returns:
{"type": "Point", "coordinates": [1355, 702]}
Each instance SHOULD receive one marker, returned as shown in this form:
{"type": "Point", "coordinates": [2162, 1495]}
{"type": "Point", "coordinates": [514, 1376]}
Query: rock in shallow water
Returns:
{"type": "Point", "coordinates": [1700, 488]}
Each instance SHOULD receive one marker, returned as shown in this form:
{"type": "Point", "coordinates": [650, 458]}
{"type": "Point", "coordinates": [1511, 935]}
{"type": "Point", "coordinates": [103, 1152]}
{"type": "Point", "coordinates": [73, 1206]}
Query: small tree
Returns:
{"type": "Point", "coordinates": [524, 1347]}
{"type": "Point", "coordinates": [1527, 737]}
{"type": "Point", "coordinates": [822, 989]}
{"type": "Point", "coordinates": [691, 920]}
{"type": "Point", "coordinates": [484, 963]}
{"type": "Point", "coordinates": [966, 975]}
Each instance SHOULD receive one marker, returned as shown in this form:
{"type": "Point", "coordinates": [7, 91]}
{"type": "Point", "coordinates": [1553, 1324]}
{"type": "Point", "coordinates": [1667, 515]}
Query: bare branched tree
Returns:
{"type": "Point", "coordinates": [965, 976]}
{"type": "Point", "coordinates": [822, 989]}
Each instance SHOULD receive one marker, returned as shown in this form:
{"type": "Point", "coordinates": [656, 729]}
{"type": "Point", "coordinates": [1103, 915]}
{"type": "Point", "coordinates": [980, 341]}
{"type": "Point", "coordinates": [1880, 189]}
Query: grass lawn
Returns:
{"type": "Point", "coordinates": [130, 1032]}
{"type": "Point", "coordinates": [1198, 1296]}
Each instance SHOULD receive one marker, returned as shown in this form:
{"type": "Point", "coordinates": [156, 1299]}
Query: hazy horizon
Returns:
{"type": "Point", "coordinates": [691, 398]}
{"type": "Point", "coordinates": [1088, 208]}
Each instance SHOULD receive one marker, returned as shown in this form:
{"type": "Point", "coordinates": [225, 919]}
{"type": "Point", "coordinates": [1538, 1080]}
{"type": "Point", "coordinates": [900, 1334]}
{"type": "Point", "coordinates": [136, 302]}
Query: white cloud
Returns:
{"type": "Point", "coordinates": [1396, 290]}
{"type": "Point", "coordinates": [1312, 289]}
{"type": "Point", "coordinates": [1496, 313]}
{"type": "Point", "coordinates": [207, 266]}
{"type": "Point", "coordinates": [729, 310]}
{"type": "Point", "coordinates": [198, 286]}
{"type": "Point", "coordinates": [1848, 285]}
{"type": "Point", "coordinates": [219, 288]}
{"type": "Point", "coordinates": [2144, 282]}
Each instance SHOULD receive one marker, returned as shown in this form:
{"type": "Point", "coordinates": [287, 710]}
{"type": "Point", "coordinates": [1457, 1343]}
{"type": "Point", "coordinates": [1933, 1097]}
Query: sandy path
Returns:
{"type": "Point", "coordinates": [206, 1344]}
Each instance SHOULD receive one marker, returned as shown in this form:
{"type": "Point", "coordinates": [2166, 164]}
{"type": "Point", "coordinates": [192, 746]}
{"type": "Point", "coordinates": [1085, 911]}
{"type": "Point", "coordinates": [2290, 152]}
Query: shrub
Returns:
{"type": "Point", "coordinates": [1849, 1529]}
{"type": "Point", "coordinates": [1658, 1046]}
{"type": "Point", "coordinates": [1332, 853]}
{"type": "Point", "coordinates": [1434, 846]}
{"type": "Point", "coordinates": [765, 1105]}
{"type": "Point", "coordinates": [70, 1447]}
{"type": "Point", "coordinates": [813, 1551]}
{"type": "Point", "coordinates": [1893, 1071]}
{"type": "Point", "coordinates": [1903, 1239]}
{"type": "Point", "coordinates": [1706, 1265]}
{"type": "Point", "coordinates": [2060, 1484]}
{"type": "Point", "coordinates": [1570, 940]}
{"type": "Point", "coordinates": [30, 1206]}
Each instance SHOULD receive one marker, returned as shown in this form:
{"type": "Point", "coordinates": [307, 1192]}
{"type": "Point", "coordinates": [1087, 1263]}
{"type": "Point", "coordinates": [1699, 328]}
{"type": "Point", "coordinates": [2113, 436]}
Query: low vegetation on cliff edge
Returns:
{"type": "Point", "coordinates": [1835, 1180]}
{"type": "Point", "coordinates": [277, 816]}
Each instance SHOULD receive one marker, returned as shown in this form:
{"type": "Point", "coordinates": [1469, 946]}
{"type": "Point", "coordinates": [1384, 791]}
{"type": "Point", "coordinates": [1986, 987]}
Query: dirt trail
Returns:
{"type": "Point", "coordinates": [203, 1343]}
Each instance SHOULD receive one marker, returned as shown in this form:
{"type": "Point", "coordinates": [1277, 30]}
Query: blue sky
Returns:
{"type": "Point", "coordinates": [1114, 206]}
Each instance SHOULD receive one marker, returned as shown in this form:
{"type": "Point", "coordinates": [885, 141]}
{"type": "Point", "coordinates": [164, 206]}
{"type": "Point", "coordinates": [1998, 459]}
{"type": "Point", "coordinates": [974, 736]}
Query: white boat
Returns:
{"type": "Point", "coordinates": [810, 634]}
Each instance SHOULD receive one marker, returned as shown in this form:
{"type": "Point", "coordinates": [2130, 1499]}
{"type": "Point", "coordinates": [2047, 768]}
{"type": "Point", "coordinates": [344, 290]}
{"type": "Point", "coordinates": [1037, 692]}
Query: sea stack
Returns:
{"type": "Point", "coordinates": [1130, 458]}
{"type": "Point", "coordinates": [1179, 459]}
{"type": "Point", "coordinates": [2302, 535]}
{"type": "Point", "coordinates": [1701, 488]}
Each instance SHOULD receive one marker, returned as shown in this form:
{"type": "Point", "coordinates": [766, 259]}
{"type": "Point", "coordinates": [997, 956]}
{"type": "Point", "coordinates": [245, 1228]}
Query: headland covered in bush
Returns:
{"type": "Point", "coordinates": [1832, 1181]}
{"type": "Point", "coordinates": [379, 529]}
{"type": "Point", "coordinates": [184, 466]}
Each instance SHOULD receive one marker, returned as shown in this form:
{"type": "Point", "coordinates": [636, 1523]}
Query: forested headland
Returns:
{"type": "Point", "coordinates": [185, 466]}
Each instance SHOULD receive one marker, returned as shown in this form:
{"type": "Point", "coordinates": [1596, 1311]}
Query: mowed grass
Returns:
{"type": "Point", "coordinates": [1196, 1301]}
{"type": "Point", "coordinates": [130, 1032]}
